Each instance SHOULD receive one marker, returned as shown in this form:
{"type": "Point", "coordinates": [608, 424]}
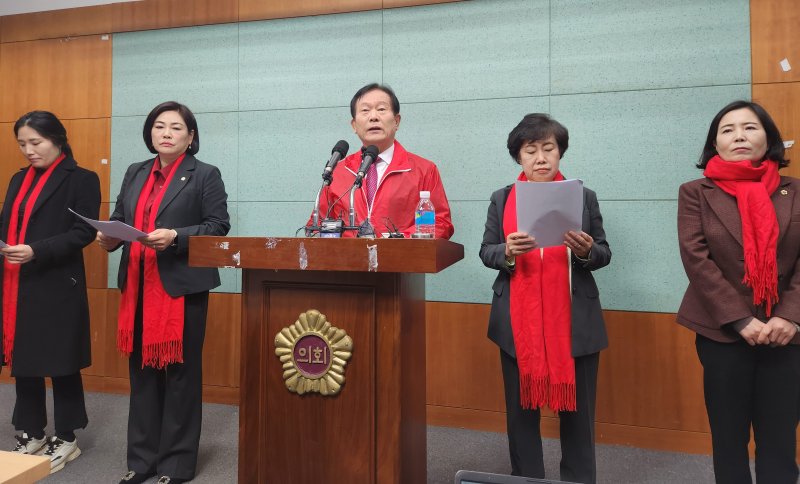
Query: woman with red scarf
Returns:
{"type": "Point", "coordinates": [546, 315]}
{"type": "Point", "coordinates": [45, 310]}
{"type": "Point", "coordinates": [164, 302]}
{"type": "Point", "coordinates": [739, 235]}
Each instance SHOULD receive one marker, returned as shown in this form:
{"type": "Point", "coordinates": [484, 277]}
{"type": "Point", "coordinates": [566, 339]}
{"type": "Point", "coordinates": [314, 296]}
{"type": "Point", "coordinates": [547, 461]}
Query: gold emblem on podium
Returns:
{"type": "Point", "coordinates": [314, 354]}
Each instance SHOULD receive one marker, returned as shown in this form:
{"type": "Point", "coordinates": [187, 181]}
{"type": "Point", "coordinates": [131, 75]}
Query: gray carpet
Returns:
{"type": "Point", "coordinates": [103, 446]}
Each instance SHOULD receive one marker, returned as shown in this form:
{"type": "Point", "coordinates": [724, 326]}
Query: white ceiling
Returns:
{"type": "Point", "coordinates": [13, 7]}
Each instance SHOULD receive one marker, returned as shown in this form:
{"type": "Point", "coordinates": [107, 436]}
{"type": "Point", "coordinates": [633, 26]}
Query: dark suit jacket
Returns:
{"type": "Point", "coordinates": [195, 204]}
{"type": "Point", "coordinates": [588, 328]}
{"type": "Point", "coordinates": [710, 238]}
{"type": "Point", "coordinates": [52, 332]}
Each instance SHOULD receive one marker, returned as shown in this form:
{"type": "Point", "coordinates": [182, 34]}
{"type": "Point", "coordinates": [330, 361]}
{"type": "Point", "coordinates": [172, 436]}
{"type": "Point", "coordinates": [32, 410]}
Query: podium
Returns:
{"type": "Point", "coordinates": [373, 430]}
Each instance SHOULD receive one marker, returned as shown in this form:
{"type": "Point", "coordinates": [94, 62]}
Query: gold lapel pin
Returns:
{"type": "Point", "coordinates": [784, 192]}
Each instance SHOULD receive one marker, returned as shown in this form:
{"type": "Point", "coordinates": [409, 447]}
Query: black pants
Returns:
{"type": "Point", "coordinates": [69, 406]}
{"type": "Point", "coordinates": [166, 406]}
{"type": "Point", "coordinates": [752, 385]}
{"type": "Point", "coordinates": [577, 428]}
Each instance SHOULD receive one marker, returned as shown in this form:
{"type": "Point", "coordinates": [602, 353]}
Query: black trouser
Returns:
{"type": "Point", "coordinates": [752, 385]}
{"type": "Point", "coordinates": [69, 406]}
{"type": "Point", "coordinates": [577, 428]}
{"type": "Point", "coordinates": [166, 406]}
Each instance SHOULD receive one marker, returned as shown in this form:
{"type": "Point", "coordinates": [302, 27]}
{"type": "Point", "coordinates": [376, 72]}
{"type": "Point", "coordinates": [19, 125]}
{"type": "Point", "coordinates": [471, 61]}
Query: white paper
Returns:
{"type": "Point", "coordinates": [785, 65]}
{"type": "Point", "coordinates": [788, 143]}
{"type": "Point", "coordinates": [113, 228]}
{"type": "Point", "coordinates": [548, 210]}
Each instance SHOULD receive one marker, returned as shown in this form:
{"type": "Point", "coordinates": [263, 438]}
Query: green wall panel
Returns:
{"type": "Point", "coordinates": [636, 83]}
{"type": "Point", "coordinates": [196, 66]}
{"type": "Point", "coordinates": [309, 61]}
{"type": "Point", "coordinates": [624, 45]}
{"type": "Point", "coordinates": [468, 50]}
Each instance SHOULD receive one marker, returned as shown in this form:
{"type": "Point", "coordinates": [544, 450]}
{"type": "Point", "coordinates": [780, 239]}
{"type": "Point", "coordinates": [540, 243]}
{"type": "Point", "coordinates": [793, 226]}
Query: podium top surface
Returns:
{"type": "Point", "coordinates": [315, 254]}
{"type": "Point", "coordinates": [18, 468]}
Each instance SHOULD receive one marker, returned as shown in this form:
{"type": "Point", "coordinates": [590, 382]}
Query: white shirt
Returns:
{"type": "Point", "coordinates": [384, 159]}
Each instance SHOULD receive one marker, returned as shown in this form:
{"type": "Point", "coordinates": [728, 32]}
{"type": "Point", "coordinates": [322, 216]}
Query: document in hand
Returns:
{"type": "Point", "coordinates": [113, 228]}
{"type": "Point", "coordinates": [548, 210]}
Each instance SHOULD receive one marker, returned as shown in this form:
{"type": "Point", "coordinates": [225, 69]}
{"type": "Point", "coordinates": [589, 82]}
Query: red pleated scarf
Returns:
{"type": "Point", "coordinates": [753, 187]}
{"type": "Point", "coordinates": [541, 320]}
{"type": "Point", "coordinates": [11, 271]}
{"type": "Point", "coordinates": [162, 314]}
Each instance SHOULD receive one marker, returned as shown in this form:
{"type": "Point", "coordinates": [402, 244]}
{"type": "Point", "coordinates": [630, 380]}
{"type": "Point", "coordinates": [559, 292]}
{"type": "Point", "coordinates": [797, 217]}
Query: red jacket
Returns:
{"type": "Point", "coordinates": [397, 195]}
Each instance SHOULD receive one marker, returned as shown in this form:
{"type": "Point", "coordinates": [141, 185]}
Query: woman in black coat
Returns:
{"type": "Point", "coordinates": [45, 307]}
{"type": "Point", "coordinates": [549, 336]}
{"type": "Point", "coordinates": [164, 302]}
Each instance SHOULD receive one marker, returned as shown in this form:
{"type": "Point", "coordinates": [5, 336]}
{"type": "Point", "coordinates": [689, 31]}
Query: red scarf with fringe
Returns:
{"type": "Point", "coordinates": [541, 320]}
{"type": "Point", "coordinates": [162, 314]}
{"type": "Point", "coordinates": [16, 235]}
{"type": "Point", "coordinates": [753, 187]}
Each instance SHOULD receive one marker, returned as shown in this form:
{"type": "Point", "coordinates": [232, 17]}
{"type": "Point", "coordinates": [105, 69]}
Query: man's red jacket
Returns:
{"type": "Point", "coordinates": [396, 197]}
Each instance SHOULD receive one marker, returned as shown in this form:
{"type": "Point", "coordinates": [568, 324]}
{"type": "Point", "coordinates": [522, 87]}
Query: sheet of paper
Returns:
{"type": "Point", "coordinates": [548, 210]}
{"type": "Point", "coordinates": [113, 228]}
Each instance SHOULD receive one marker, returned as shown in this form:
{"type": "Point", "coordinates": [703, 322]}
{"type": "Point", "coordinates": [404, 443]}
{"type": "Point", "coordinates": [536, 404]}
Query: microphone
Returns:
{"type": "Point", "coordinates": [368, 157]}
{"type": "Point", "coordinates": [339, 151]}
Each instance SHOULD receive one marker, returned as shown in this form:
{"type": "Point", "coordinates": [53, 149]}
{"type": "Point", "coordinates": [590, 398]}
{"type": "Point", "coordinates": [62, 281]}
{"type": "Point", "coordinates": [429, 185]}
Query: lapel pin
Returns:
{"type": "Point", "coordinates": [183, 178]}
{"type": "Point", "coordinates": [784, 192]}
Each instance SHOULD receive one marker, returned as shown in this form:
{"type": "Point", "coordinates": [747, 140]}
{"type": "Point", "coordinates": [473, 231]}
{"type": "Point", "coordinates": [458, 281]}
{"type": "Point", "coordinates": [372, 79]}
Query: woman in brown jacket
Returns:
{"type": "Point", "coordinates": [739, 235]}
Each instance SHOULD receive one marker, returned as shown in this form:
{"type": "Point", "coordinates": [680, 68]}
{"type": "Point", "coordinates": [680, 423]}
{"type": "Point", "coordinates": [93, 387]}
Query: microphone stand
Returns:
{"type": "Point", "coordinates": [352, 211]}
{"type": "Point", "coordinates": [353, 207]}
{"type": "Point", "coordinates": [314, 227]}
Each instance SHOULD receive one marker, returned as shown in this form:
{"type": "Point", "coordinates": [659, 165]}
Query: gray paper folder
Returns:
{"type": "Point", "coordinates": [548, 210]}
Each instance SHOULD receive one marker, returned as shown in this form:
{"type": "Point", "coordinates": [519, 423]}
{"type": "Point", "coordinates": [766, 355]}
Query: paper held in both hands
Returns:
{"type": "Point", "coordinates": [548, 210]}
{"type": "Point", "coordinates": [113, 228]}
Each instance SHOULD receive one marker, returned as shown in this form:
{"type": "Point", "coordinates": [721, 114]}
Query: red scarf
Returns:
{"type": "Point", "coordinates": [753, 187]}
{"type": "Point", "coordinates": [541, 319]}
{"type": "Point", "coordinates": [11, 271]}
{"type": "Point", "coordinates": [162, 314]}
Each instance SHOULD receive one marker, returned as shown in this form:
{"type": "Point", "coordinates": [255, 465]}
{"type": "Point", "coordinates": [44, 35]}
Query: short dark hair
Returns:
{"type": "Point", "coordinates": [48, 126]}
{"type": "Point", "coordinates": [371, 87]}
{"type": "Point", "coordinates": [775, 149]}
{"type": "Point", "coordinates": [537, 127]}
{"type": "Point", "coordinates": [188, 118]}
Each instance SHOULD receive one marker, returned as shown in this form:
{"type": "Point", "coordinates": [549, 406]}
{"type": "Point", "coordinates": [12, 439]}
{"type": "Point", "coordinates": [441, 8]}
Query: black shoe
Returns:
{"type": "Point", "coordinates": [170, 480]}
{"type": "Point", "coordinates": [132, 477]}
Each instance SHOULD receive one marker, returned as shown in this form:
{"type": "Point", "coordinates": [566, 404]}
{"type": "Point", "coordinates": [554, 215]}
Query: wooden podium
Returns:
{"type": "Point", "coordinates": [373, 430]}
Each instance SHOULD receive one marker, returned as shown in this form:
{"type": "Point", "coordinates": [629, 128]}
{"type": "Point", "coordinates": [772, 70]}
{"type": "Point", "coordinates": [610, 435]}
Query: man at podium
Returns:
{"type": "Point", "coordinates": [390, 193]}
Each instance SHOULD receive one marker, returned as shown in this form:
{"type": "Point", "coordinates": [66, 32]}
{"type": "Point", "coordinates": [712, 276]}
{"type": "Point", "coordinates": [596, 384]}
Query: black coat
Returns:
{"type": "Point", "coordinates": [588, 328]}
{"type": "Point", "coordinates": [195, 203]}
{"type": "Point", "coordinates": [52, 332]}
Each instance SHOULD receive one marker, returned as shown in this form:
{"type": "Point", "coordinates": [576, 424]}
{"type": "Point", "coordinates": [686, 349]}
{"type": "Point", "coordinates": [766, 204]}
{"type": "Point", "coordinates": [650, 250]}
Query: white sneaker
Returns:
{"type": "Point", "coordinates": [28, 445]}
{"type": "Point", "coordinates": [60, 452]}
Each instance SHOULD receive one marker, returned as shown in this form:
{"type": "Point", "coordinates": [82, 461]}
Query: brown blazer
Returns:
{"type": "Point", "coordinates": [710, 238]}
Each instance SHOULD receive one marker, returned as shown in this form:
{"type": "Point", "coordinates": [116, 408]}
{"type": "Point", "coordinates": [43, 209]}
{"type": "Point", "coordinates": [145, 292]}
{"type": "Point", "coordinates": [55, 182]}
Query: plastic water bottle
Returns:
{"type": "Point", "coordinates": [425, 216]}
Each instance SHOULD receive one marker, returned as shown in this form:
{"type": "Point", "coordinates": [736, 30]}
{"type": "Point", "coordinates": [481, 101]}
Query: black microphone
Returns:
{"type": "Point", "coordinates": [339, 151]}
{"type": "Point", "coordinates": [368, 157]}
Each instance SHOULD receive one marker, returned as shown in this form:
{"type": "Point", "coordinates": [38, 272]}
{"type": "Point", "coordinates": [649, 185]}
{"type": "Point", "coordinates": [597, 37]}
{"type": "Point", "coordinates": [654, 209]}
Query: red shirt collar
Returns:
{"type": "Point", "coordinates": [167, 169]}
